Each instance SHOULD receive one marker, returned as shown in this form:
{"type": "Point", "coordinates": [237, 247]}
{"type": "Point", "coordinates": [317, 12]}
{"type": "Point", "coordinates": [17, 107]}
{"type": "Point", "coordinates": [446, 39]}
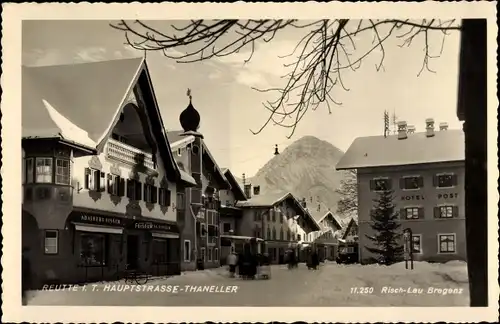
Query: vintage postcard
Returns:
{"type": "Point", "coordinates": [249, 162]}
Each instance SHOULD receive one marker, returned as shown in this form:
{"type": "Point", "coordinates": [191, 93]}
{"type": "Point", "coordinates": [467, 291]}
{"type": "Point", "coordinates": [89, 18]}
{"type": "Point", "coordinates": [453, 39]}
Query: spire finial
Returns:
{"type": "Point", "coordinates": [276, 152]}
{"type": "Point", "coordinates": [189, 94]}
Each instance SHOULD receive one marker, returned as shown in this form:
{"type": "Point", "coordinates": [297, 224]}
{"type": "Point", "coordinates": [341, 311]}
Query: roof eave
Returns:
{"type": "Point", "coordinates": [87, 150]}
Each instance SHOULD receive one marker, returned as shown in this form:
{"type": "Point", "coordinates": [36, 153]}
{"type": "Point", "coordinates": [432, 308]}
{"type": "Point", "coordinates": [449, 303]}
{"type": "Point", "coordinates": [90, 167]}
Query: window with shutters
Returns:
{"type": "Point", "coordinates": [447, 243]}
{"type": "Point", "coordinates": [51, 242]}
{"type": "Point", "coordinates": [380, 184]}
{"type": "Point", "coordinates": [114, 183]}
{"type": "Point", "coordinates": [446, 211]}
{"type": "Point", "coordinates": [417, 243]}
{"type": "Point", "coordinates": [413, 213]}
{"type": "Point", "coordinates": [134, 189]}
{"type": "Point", "coordinates": [43, 170]}
{"type": "Point", "coordinates": [150, 193]}
{"type": "Point", "coordinates": [164, 197]}
{"type": "Point", "coordinates": [94, 180]}
{"type": "Point", "coordinates": [445, 180]}
{"type": "Point", "coordinates": [411, 182]}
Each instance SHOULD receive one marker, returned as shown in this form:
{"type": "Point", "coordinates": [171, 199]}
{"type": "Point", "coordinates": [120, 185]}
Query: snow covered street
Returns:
{"type": "Point", "coordinates": [331, 285]}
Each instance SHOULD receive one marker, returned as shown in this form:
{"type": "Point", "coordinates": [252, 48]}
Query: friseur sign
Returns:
{"type": "Point", "coordinates": [146, 225]}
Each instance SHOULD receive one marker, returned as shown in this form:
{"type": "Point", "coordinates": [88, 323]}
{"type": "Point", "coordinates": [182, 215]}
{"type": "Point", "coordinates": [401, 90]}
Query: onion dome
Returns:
{"type": "Point", "coordinates": [190, 118]}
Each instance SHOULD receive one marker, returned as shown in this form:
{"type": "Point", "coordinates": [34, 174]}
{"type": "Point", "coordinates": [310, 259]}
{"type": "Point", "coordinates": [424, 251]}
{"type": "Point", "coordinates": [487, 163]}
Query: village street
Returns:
{"type": "Point", "coordinates": [331, 285]}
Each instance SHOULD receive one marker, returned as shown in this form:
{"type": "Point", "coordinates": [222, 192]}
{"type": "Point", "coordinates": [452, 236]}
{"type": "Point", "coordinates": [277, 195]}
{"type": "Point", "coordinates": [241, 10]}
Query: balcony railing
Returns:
{"type": "Point", "coordinates": [128, 154]}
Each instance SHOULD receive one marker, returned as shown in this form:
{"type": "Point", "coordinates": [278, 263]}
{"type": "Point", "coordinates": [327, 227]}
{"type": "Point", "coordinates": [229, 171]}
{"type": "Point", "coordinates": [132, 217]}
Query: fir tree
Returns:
{"type": "Point", "coordinates": [386, 239]}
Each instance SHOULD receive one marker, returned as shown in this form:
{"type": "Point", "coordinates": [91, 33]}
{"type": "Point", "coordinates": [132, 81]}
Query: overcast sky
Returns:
{"type": "Point", "coordinates": [222, 93]}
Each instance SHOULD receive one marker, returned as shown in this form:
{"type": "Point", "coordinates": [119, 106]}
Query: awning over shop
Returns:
{"type": "Point", "coordinates": [245, 238]}
{"type": "Point", "coordinates": [165, 235]}
{"type": "Point", "coordinates": [98, 229]}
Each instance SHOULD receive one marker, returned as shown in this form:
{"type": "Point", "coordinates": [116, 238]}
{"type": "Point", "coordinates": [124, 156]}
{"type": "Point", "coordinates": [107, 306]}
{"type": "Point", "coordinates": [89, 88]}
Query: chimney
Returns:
{"type": "Point", "coordinates": [411, 129]}
{"type": "Point", "coordinates": [429, 126]}
{"type": "Point", "coordinates": [256, 190]}
{"type": "Point", "coordinates": [443, 126]}
{"type": "Point", "coordinates": [247, 188]}
{"type": "Point", "coordinates": [402, 131]}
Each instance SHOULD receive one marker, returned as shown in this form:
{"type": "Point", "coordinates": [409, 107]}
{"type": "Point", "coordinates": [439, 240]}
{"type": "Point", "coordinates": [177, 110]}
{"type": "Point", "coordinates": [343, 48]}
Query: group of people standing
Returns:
{"type": "Point", "coordinates": [247, 263]}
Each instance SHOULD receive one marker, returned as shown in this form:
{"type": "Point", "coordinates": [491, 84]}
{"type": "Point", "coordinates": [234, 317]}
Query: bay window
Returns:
{"type": "Point", "coordinates": [63, 172]}
{"type": "Point", "coordinates": [43, 170]}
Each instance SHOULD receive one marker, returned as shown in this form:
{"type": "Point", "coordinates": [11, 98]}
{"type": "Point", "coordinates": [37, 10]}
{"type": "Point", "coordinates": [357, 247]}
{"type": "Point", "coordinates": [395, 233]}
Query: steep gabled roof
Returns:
{"type": "Point", "coordinates": [417, 148]}
{"type": "Point", "coordinates": [239, 194]}
{"type": "Point", "coordinates": [270, 200]}
{"type": "Point", "coordinates": [352, 222]}
{"type": "Point", "coordinates": [90, 98]}
{"type": "Point", "coordinates": [335, 218]}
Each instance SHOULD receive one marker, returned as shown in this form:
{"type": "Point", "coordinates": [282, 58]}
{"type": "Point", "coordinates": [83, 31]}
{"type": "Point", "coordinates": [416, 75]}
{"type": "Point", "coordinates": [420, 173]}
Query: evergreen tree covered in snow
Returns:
{"type": "Point", "coordinates": [386, 239]}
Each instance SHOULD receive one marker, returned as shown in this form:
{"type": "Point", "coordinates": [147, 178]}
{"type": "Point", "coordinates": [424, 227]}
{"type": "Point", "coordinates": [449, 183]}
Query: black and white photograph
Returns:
{"type": "Point", "coordinates": [287, 165]}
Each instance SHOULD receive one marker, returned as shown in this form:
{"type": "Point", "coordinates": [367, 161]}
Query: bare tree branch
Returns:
{"type": "Point", "coordinates": [326, 49]}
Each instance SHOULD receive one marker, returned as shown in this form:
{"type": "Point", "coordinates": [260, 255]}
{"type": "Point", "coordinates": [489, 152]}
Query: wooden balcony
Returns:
{"type": "Point", "coordinates": [128, 154]}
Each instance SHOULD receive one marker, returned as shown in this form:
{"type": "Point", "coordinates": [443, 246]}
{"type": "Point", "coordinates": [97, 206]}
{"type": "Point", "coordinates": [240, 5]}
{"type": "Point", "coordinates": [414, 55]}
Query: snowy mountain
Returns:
{"type": "Point", "coordinates": [306, 168]}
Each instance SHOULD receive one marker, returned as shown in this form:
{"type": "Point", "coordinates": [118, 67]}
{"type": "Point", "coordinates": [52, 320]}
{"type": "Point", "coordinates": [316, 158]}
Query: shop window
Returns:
{"type": "Point", "coordinates": [187, 251]}
{"type": "Point", "coordinates": [29, 170]}
{"type": "Point", "coordinates": [63, 172]}
{"type": "Point", "coordinates": [159, 251]}
{"type": "Point", "coordinates": [164, 198]}
{"type": "Point", "coordinates": [43, 170]}
{"type": "Point", "coordinates": [92, 249]}
{"type": "Point", "coordinates": [51, 242]}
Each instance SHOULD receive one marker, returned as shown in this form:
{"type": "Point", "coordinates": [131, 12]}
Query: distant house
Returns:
{"type": "Point", "coordinates": [426, 171]}
{"type": "Point", "coordinates": [279, 219]}
{"type": "Point", "coordinates": [98, 173]}
{"type": "Point", "coordinates": [326, 239]}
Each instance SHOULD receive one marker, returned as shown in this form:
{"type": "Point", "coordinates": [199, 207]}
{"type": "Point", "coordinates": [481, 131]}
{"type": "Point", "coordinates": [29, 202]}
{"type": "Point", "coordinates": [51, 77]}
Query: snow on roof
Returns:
{"type": "Point", "coordinates": [417, 148]}
{"type": "Point", "coordinates": [88, 95]}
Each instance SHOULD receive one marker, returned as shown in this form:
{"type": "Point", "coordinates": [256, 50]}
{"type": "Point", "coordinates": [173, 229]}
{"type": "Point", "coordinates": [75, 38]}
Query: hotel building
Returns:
{"type": "Point", "coordinates": [426, 172]}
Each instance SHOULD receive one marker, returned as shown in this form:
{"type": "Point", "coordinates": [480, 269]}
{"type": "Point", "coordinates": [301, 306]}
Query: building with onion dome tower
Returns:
{"type": "Point", "coordinates": [198, 206]}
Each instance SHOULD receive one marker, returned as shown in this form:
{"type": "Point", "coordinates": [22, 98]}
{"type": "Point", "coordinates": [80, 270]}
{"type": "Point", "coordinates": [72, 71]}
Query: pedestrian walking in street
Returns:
{"type": "Point", "coordinates": [232, 261]}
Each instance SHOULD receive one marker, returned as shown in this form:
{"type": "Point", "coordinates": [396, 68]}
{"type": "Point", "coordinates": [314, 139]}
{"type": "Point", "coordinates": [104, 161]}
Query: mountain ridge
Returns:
{"type": "Point", "coordinates": [306, 168]}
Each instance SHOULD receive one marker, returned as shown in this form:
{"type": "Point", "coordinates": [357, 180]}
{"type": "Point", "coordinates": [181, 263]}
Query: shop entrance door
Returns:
{"type": "Point", "coordinates": [133, 251]}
